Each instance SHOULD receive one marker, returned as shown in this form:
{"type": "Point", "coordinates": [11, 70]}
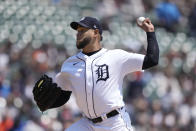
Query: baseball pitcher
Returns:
{"type": "Point", "coordinates": [95, 76]}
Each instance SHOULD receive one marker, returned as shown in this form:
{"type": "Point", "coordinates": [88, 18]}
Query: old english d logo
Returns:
{"type": "Point", "coordinates": [102, 72]}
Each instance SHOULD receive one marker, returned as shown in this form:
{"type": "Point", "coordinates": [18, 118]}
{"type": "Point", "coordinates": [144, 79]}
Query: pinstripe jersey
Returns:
{"type": "Point", "coordinates": [96, 80]}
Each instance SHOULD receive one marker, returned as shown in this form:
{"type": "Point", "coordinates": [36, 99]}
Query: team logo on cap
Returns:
{"type": "Point", "coordinates": [95, 26]}
{"type": "Point", "coordinates": [82, 18]}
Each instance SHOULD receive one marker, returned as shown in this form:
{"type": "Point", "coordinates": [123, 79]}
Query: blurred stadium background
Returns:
{"type": "Point", "coordinates": [35, 38]}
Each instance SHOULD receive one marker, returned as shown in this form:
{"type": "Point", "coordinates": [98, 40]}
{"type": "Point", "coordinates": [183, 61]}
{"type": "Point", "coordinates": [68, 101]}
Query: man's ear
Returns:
{"type": "Point", "coordinates": [96, 32]}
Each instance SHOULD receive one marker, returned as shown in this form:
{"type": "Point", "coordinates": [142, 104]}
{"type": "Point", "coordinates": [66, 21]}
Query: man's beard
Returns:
{"type": "Point", "coordinates": [83, 43]}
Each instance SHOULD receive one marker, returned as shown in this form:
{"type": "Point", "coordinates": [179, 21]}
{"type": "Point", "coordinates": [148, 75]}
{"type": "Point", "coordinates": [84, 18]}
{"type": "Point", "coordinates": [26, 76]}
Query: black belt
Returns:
{"type": "Point", "coordinates": [108, 115]}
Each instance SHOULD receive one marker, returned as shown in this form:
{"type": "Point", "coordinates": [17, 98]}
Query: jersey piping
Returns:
{"type": "Point", "coordinates": [93, 83]}
{"type": "Point", "coordinates": [85, 85]}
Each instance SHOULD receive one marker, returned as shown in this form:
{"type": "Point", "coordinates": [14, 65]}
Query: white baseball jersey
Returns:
{"type": "Point", "coordinates": [96, 80]}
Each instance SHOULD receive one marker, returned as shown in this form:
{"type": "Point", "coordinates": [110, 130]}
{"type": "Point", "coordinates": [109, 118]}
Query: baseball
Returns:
{"type": "Point", "coordinates": [140, 20]}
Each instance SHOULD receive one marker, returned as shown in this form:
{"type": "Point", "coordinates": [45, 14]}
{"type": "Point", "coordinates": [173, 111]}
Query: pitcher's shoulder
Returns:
{"type": "Point", "coordinates": [69, 62]}
{"type": "Point", "coordinates": [71, 59]}
{"type": "Point", "coordinates": [117, 52]}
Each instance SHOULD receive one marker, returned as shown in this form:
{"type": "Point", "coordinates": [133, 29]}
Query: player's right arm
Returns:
{"type": "Point", "coordinates": [62, 80]}
{"type": "Point", "coordinates": [65, 94]}
{"type": "Point", "coordinates": [47, 94]}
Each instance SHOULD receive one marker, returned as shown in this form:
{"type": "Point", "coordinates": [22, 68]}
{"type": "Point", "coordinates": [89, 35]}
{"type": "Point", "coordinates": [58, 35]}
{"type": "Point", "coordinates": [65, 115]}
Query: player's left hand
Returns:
{"type": "Point", "coordinates": [147, 26]}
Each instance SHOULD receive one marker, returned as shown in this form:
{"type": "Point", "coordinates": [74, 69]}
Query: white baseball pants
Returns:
{"type": "Point", "coordinates": [120, 122]}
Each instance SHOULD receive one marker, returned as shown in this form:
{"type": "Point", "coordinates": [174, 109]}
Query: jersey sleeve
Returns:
{"type": "Point", "coordinates": [63, 77]}
{"type": "Point", "coordinates": [130, 62]}
{"type": "Point", "coordinates": [63, 81]}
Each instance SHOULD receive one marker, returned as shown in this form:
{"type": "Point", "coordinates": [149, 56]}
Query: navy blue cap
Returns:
{"type": "Point", "coordinates": [87, 22]}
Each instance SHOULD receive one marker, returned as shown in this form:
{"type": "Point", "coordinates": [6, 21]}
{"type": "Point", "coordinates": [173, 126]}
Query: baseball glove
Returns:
{"type": "Point", "coordinates": [45, 92]}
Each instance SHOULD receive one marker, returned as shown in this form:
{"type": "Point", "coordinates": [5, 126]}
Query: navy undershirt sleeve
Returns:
{"type": "Point", "coordinates": [152, 56]}
{"type": "Point", "coordinates": [63, 98]}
